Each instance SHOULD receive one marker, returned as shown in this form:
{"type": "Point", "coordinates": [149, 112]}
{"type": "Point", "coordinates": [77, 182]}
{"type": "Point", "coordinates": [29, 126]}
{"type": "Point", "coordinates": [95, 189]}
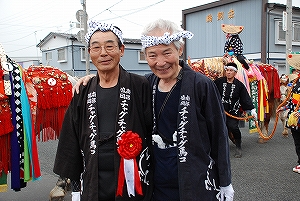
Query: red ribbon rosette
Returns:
{"type": "Point", "coordinates": [130, 146]}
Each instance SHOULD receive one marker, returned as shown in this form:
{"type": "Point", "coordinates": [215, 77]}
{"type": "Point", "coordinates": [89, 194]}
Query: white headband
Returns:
{"type": "Point", "coordinates": [231, 67]}
{"type": "Point", "coordinates": [96, 25]}
{"type": "Point", "coordinates": [166, 39]}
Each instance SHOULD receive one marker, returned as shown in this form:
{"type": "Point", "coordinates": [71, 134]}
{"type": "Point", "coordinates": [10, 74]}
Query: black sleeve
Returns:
{"type": "Point", "coordinates": [245, 99]}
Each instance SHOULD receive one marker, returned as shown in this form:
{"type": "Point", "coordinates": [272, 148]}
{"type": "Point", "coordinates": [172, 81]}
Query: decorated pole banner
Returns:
{"type": "Point", "coordinates": [129, 147]}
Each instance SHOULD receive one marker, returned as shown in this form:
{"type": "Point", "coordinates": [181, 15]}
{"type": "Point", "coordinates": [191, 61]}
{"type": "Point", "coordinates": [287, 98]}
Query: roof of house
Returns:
{"type": "Point", "coordinates": [208, 6]}
{"type": "Point", "coordinates": [224, 2]}
{"type": "Point", "coordinates": [282, 7]}
{"type": "Point", "coordinates": [53, 34]}
{"type": "Point", "coordinates": [74, 36]}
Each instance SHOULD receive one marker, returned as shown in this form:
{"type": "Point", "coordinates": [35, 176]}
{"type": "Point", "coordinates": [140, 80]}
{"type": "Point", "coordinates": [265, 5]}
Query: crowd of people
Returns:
{"type": "Point", "coordinates": [158, 137]}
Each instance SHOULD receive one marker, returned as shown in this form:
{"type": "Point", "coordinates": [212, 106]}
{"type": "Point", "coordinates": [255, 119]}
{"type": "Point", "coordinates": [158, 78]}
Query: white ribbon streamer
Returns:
{"type": "Point", "coordinates": [129, 176]}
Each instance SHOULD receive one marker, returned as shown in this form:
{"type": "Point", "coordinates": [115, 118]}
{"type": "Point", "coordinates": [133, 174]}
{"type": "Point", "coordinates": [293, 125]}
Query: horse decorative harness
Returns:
{"type": "Point", "coordinates": [53, 93]}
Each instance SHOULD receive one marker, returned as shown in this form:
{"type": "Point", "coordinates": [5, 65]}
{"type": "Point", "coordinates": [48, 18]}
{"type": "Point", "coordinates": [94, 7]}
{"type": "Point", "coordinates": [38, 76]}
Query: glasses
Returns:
{"type": "Point", "coordinates": [108, 47]}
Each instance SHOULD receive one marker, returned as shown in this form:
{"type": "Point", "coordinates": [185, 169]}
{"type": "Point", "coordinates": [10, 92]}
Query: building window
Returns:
{"type": "Point", "coordinates": [61, 55]}
{"type": "Point", "coordinates": [142, 57]}
{"type": "Point", "coordinates": [280, 34]}
{"type": "Point", "coordinates": [82, 53]}
{"type": "Point", "coordinates": [280, 67]}
{"type": "Point", "coordinates": [296, 32]}
{"type": "Point", "coordinates": [48, 56]}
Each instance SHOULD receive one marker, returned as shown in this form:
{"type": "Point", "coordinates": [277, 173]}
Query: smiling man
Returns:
{"type": "Point", "coordinates": [190, 141]}
{"type": "Point", "coordinates": [114, 106]}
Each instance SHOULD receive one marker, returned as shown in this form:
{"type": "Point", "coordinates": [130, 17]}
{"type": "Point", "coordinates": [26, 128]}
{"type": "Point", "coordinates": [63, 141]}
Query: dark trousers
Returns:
{"type": "Point", "coordinates": [296, 136]}
{"type": "Point", "coordinates": [233, 127]}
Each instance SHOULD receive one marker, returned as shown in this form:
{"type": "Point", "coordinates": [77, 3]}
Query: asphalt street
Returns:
{"type": "Point", "coordinates": [264, 173]}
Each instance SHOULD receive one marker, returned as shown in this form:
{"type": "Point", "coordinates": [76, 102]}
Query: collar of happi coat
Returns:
{"type": "Point", "coordinates": [183, 113]}
{"type": "Point", "coordinates": [124, 105]}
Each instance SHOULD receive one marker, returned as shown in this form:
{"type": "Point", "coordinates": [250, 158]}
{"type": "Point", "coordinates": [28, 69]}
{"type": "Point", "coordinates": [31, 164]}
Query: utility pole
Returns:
{"type": "Point", "coordinates": [87, 56]}
{"type": "Point", "coordinates": [288, 32]}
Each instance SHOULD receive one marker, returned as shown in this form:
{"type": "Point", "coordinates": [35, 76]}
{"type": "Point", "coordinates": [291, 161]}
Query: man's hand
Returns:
{"type": "Point", "coordinates": [227, 193]}
{"type": "Point", "coordinates": [75, 196]}
{"type": "Point", "coordinates": [84, 80]}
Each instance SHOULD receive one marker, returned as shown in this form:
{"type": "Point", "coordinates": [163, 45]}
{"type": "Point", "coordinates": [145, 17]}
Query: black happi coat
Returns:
{"type": "Point", "coordinates": [202, 139]}
{"type": "Point", "coordinates": [237, 99]}
{"type": "Point", "coordinates": [77, 151]}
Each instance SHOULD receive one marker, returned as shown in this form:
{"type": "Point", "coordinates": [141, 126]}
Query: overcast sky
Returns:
{"type": "Point", "coordinates": [25, 22]}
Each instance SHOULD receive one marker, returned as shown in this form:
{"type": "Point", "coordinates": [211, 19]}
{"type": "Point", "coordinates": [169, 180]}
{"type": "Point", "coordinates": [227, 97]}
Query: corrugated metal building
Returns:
{"type": "Point", "coordinates": [263, 38]}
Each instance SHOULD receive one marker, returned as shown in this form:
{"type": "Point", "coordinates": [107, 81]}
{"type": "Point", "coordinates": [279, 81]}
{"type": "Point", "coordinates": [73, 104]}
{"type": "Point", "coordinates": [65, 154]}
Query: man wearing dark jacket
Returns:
{"type": "Point", "coordinates": [106, 133]}
{"type": "Point", "coordinates": [235, 97]}
{"type": "Point", "coordinates": [190, 141]}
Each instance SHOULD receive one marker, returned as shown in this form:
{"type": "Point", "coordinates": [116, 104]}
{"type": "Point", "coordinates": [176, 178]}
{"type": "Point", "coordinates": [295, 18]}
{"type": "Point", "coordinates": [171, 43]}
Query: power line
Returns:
{"type": "Point", "coordinates": [108, 8]}
{"type": "Point", "coordinates": [118, 16]}
{"type": "Point", "coordinates": [19, 38]}
{"type": "Point", "coordinates": [137, 10]}
{"type": "Point", "coordinates": [21, 49]}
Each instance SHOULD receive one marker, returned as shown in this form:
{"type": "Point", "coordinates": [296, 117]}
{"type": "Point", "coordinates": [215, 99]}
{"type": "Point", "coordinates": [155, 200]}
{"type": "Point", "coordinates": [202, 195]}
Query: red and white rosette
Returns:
{"type": "Point", "coordinates": [129, 147]}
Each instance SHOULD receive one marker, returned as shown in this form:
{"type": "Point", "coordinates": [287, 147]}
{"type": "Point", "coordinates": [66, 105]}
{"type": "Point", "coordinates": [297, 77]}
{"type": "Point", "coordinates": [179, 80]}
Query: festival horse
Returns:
{"type": "Point", "coordinates": [262, 78]}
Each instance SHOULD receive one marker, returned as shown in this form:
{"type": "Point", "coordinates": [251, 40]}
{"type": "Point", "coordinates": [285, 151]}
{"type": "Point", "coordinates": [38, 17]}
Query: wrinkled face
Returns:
{"type": "Point", "coordinates": [163, 60]}
{"type": "Point", "coordinates": [104, 51]}
{"type": "Point", "coordinates": [230, 73]}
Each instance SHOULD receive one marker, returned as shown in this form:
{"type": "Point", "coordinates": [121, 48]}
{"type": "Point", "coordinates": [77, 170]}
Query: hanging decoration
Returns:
{"type": "Point", "coordinates": [53, 94]}
{"type": "Point", "coordinates": [33, 102]}
{"type": "Point", "coordinates": [5, 120]}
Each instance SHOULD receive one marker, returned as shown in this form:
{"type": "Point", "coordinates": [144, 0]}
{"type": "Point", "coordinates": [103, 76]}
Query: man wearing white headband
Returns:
{"type": "Point", "coordinates": [105, 137]}
{"type": "Point", "coordinates": [231, 67]}
{"type": "Point", "coordinates": [235, 97]}
{"type": "Point", "coordinates": [191, 153]}
{"type": "Point", "coordinates": [190, 141]}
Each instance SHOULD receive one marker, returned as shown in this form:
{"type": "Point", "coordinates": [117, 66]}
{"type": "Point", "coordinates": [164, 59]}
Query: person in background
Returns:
{"type": "Point", "coordinates": [106, 133]}
{"type": "Point", "coordinates": [235, 97]}
{"type": "Point", "coordinates": [295, 71]}
{"type": "Point", "coordinates": [292, 104]}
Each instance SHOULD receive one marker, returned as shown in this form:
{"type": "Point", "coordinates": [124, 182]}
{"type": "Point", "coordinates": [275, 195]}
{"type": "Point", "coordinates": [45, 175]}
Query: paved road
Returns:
{"type": "Point", "coordinates": [264, 173]}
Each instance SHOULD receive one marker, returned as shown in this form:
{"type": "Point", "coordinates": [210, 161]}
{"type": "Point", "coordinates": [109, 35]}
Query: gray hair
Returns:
{"type": "Point", "coordinates": [166, 26]}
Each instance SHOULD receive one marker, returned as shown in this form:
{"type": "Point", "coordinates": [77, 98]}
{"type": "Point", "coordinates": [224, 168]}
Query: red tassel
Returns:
{"type": "Point", "coordinates": [52, 100]}
{"type": "Point", "coordinates": [121, 178]}
{"type": "Point", "coordinates": [35, 158]}
{"type": "Point", "coordinates": [5, 124]}
{"type": "Point", "coordinates": [4, 153]}
{"type": "Point", "coordinates": [137, 180]}
{"type": "Point", "coordinates": [5, 118]}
